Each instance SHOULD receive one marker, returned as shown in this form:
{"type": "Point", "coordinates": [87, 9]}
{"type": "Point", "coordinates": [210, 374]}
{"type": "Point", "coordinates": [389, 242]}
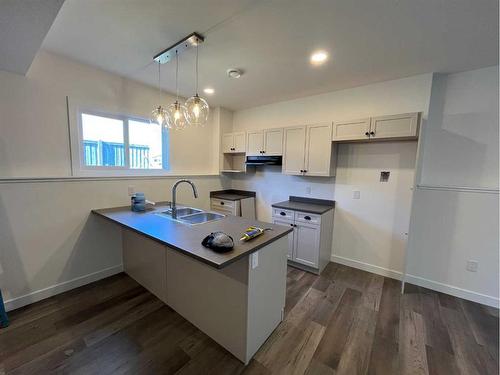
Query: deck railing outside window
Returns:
{"type": "Point", "coordinates": [110, 154]}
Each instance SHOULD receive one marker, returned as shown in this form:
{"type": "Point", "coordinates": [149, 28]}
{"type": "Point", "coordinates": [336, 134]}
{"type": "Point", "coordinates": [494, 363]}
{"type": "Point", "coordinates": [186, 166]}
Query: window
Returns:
{"type": "Point", "coordinates": [121, 143]}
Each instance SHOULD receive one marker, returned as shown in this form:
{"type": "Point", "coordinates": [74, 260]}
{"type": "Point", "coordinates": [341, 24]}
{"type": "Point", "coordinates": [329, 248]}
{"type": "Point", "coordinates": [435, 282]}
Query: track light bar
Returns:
{"type": "Point", "coordinates": [192, 40]}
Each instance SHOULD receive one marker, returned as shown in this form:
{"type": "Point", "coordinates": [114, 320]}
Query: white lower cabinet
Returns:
{"type": "Point", "coordinates": [310, 243]}
{"type": "Point", "coordinates": [307, 244]}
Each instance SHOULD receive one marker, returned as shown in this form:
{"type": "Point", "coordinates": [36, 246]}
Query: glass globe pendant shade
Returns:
{"type": "Point", "coordinates": [159, 116]}
{"type": "Point", "coordinates": [176, 115]}
{"type": "Point", "coordinates": [197, 111]}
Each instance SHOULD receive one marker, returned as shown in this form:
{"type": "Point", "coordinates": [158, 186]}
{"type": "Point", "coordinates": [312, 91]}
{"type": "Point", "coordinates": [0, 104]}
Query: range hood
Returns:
{"type": "Point", "coordinates": [263, 160]}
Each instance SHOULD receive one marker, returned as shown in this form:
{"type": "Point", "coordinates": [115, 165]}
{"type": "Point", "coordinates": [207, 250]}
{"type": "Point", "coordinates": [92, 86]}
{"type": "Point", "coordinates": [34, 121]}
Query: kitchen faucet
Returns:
{"type": "Point", "coordinates": [174, 193]}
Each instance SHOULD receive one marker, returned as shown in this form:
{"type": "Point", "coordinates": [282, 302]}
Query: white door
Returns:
{"type": "Point", "coordinates": [351, 130]}
{"type": "Point", "coordinates": [396, 126]}
{"type": "Point", "coordinates": [255, 143]}
{"type": "Point", "coordinates": [294, 150]}
{"type": "Point", "coordinates": [239, 142]}
{"type": "Point", "coordinates": [307, 238]}
{"type": "Point", "coordinates": [287, 223]}
{"type": "Point", "coordinates": [318, 150]}
{"type": "Point", "coordinates": [273, 142]}
{"type": "Point", "coordinates": [227, 142]}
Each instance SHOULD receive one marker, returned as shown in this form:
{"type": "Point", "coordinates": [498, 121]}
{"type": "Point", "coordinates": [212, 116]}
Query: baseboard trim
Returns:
{"type": "Point", "coordinates": [454, 291]}
{"type": "Point", "coordinates": [420, 281]}
{"type": "Point", "coordinates": [387, 272]}
{"type": "Point", "coordinates": [52, 290]}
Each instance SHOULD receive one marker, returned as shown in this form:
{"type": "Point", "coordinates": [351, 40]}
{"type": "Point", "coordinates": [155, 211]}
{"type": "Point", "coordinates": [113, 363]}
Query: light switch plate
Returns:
{"type": "Point", "coordinates": [356, 194]}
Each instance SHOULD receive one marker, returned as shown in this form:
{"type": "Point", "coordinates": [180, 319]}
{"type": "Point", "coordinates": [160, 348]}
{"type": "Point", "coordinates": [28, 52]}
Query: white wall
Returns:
{"type": "Point", "coordinates": [49, 242]}
{"type": "Point", "coordinates": [34, 120]}
{"type": "Point", "coordinates": [368, 232]}
{"type": "Point", "coordinates": [371, 232]}
{"type": "Point", "coordinates": [450, 226]}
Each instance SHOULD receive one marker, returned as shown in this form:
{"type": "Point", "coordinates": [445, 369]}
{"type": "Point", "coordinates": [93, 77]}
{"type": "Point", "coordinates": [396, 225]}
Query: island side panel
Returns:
{"type": "Point", "coordinates": [214, 300]}
{"type": "Point", "coordinates": [145, 261]}
{"type": "Point", "coordinates": [266, 293]}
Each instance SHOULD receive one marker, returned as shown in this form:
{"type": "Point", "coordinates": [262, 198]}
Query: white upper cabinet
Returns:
{"type": "Point", "coordinates": [233, 142]}
{"type": "Point", "coordinates": [351, 130]}
{"type": "Point", "coordinates": [308, 151]}
{"type": "Point", "coordinates": [273, 142]}
{"type": "Point", "coordinates": [265, 142]}
{"type": "Point", "coordinates": [395, 126]}
{"type": "Point", "coordinates": [255, 143]}
{"type": "Point", "coordinates": [294, 150]}
{"type": "Point", "coordinates": [318, 150]}
{"type": "Point", "coordinates": [403, 126]}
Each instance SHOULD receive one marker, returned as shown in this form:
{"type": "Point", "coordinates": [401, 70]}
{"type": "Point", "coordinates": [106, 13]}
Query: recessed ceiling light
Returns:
{"type": "Point", "coordinates": [319, 57]}
{"type": "Point", "coordinates": [234, 73]}
{"type": "Point", "coordinates": [208, 90]}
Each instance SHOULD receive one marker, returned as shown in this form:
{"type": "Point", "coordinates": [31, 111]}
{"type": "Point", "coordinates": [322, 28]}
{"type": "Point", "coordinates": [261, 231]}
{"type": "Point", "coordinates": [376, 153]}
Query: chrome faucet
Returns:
{"type": "Point", "coordinates": [173, 205]}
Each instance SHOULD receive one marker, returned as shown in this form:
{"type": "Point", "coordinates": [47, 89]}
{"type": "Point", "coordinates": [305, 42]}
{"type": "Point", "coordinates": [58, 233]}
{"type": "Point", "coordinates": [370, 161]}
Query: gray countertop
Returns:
{"type": "Point", "coordinates": [232, 194]}
{"type": "Point", "coordinates": [309, 205]}
{"type": "Point", "coordinates": [187, 238]}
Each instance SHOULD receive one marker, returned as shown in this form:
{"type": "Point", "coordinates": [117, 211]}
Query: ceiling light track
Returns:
{"type": "Point", "coordinates": [192, 40]}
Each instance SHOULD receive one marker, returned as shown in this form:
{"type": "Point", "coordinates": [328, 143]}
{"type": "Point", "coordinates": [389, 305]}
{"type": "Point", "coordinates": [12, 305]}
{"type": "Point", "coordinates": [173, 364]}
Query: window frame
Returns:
{"type": "Point", "coordinates": [105, 171]}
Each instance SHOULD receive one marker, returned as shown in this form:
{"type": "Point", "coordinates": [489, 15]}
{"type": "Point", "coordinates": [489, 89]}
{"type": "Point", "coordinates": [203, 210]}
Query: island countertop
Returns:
{"type": "Point", "coordinates": [187, 238]}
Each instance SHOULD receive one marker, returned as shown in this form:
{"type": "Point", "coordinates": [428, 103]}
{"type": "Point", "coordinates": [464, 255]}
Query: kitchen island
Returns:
{"type": "Point", "coordinates": [236, 298]}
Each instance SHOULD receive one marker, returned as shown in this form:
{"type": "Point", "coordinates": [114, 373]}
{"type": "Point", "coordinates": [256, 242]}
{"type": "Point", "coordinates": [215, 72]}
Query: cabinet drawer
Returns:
{"type": "Point", "coordinates": [283, 214]}
{"type": "Point", "coordinates": [304, 217]}
{"type": "Point", "coordinates": [222, 210]}
{"type": "Point", "coordinates": [215, 202]}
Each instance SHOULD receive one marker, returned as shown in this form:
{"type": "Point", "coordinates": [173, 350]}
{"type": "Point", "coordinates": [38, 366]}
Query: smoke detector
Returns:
{"type": "Point", "coordinates": [234, 73]}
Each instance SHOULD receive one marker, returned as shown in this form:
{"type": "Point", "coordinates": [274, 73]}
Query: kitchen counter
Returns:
{"type": "Point", "coordinates": [309, 205]}
{"type": "Point", "coordinates": [236, 298]}
{"type": "Point", "coordinates": [187, 238]}
{"type": "Point", "coordinates": [232, 194]}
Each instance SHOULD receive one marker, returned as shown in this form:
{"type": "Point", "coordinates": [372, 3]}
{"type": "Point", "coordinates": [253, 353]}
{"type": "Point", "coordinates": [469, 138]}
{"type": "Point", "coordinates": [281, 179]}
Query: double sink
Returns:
{"type": "Point", "coordinates": [190, 215]}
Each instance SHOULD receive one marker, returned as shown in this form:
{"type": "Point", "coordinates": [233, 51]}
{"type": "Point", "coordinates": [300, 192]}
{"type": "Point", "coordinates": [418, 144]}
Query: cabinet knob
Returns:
{"type": "Point", "coordinates": [367, 134]}
{"type": "Point", "coordinates": [307, 217]}
{"type": "Point", "coordinates": [305, 170]}
{"type": "Point", "coordinates": [372, 133]}
{"type": "Point", "coordinates": [291, 225]}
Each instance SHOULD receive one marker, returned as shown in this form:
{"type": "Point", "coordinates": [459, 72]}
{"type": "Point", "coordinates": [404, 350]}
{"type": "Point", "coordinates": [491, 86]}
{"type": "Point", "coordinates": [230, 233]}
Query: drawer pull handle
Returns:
{"type": "Point", "coordinates": [283, 213]}
{"type": "Point", "coordinates": [307, 217]}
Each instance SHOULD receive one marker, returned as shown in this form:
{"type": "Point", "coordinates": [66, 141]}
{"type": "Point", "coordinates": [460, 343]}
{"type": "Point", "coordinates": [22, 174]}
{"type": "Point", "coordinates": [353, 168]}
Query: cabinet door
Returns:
{"type": "Point", "coordinates": [255, 143]}
{"type": "Point", "coordinates": [318, 150]}
{"type": "Point", "coordinates": [227, 142]}
{"type": "Point", "coordinates": [307, 238]}
{"type": "Point", "coordinates": [294, 150]}
{"type": "Point", "coordinates": [287, 223]}
{"type": "Point", "coordinates": [239, 142]}
{"type": "Point", "coordinates": [396, 126]}
{"type": "Point", "coordinates": [351, 130]}
{"type": "Point", "coordinates": [273, 142]}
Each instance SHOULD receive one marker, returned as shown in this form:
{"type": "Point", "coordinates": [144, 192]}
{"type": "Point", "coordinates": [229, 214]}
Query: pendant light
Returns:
{"type": "Point", "coordinates": [159, 114]}
{"type": "Point", "coordinates": [176, 111]}
{"type": "Point", "coordinates": [197, 108]}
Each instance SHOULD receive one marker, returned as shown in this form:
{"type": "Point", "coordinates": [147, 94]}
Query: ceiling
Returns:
{"type": "Point", "coordinates": [23, 26]}
{"type": "Point", "coordinates": [368, 41]}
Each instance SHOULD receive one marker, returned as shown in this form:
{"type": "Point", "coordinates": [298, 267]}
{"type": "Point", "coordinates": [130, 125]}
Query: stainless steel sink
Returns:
{"type": "Point", "coordinates": [190, 215]}
{"type": "Point", "coordinates": [200, 218]}
{"type": "Point", "coordinates": [182, 211]}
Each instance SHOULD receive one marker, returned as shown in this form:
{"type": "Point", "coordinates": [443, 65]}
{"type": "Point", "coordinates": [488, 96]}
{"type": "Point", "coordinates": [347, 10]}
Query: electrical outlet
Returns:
{"type": "Point", "coordinates": [356, 194]}
{"type": "Point", "coordinates": [131, 190]}
{"type": "Point", "coordinates": [471, 266]}
{"type": "Point", "coordinates": [255, 260]}
{"type": "Point", "coordinates": [308, 190]}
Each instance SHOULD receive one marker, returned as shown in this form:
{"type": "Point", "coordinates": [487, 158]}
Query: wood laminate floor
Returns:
{"type": "Point", "coordinates": [345, 321]}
